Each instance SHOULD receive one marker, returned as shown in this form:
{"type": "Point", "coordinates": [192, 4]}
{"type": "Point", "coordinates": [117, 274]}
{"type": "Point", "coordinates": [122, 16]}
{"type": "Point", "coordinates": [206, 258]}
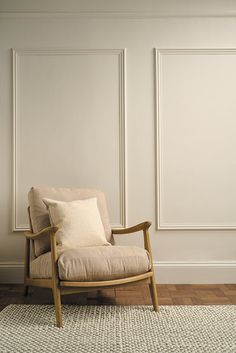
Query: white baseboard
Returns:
{"type": "Point", "coordinates": [195, 272]}
{"type": "Point", "coordinates": [11, 272]}
{"type": "Point", "coordinates": [167, 272]}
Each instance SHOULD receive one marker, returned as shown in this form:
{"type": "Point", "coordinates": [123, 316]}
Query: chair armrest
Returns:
{"type": "Point", "coordinates": [51, 232]}
{"type": "Point", "coordinates": [44, 232]}
{"type": "Point", "coordinates": [141, 226]}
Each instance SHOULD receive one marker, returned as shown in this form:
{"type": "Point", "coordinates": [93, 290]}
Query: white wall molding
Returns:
{"type": "Point", "coordinates": [11, 272]}
{"type": "Point", "coordinates": [158, 138]}
{"type": "Point", "coordinates": [167, 272]}
{"type": "Point", "coordinates": [129, 15]}
{"type": "Point", "coordinates": [121, 53]}
{"type": "Point", "coordinates": [195, 272]}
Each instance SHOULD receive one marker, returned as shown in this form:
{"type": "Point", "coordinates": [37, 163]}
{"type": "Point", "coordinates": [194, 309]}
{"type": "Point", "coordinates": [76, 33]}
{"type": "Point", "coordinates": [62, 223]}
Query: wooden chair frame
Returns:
{"type": "Point", "coordinates": [68, 287]}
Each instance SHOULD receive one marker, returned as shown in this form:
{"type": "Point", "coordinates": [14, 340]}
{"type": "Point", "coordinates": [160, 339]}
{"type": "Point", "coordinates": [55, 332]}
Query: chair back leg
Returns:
{"type": "Point", "coordinates": [27, 264]}
{"type": "Point", "coordinates": [26, 290]}
{"type": "Point", "coordinates": [27, 258]}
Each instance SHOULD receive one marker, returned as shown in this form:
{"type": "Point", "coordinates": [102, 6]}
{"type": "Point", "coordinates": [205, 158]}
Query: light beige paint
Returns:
{"type": "Point", "coordinates": [139, 33]}
{"type": "Point", "coordinates": [67, 140]}
{"type": "Point", "coordinates": [196, 138]}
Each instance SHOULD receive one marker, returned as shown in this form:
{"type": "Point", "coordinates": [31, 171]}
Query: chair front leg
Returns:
{"type": "Point", "coordinates": [152, 285]}
{"type": "Point", "coordinates": [55, 282]}
{"type": "Point", "coordinates": [57, 303]}
{"type": "Point", "coordinates": [153, 292]}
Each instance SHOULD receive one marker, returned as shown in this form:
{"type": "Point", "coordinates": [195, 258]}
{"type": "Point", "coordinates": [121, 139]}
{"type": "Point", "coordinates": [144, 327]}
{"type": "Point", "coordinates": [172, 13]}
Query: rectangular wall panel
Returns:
{"type": "Point", "coordinates": [196, 129]}
{"type": "Point", "coordinates": [69, 124]}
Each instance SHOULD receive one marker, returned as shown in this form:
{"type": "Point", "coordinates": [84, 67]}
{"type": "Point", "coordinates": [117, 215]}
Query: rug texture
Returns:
{"type": "Point", "coordinates": [126, 329]}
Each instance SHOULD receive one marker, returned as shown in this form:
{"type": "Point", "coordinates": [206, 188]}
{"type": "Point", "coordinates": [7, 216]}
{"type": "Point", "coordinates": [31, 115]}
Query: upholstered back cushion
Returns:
{"type": "Point", "coordinates": [79, 223]}
{"type": "Point", "coordinates": [40, 217]}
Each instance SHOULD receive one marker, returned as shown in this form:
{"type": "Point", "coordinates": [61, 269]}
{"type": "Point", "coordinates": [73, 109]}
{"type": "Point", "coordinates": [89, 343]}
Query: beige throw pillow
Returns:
{"type": "Point", "coordinates": [79, 222]}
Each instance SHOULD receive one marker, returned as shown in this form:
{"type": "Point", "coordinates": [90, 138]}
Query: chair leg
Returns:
{"type": "Point", "coordinates": [26, 290]}
{"type": "Point", "coordinates": [27, 266]}
{"type": "Point", "coordinates": [153, 292]}
{"type": "Point", "coordinates": [57, 304]}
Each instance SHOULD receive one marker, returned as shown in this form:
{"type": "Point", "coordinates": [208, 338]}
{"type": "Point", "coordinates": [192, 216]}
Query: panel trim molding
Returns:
{"type": "Point", "coordinates": [121, 53]}
{"type": "Point", "coordinates": [167, 272]}
{"type": "Point", "coordinates": [158, 152]}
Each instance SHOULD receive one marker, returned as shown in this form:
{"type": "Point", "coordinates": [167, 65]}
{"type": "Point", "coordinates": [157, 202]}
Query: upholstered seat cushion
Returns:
{"type": "Point", "coordinates": [94, 263]}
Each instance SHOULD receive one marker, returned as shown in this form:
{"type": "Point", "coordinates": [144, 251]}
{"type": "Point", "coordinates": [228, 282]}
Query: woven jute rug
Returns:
{"type": "Point", "coordinates": [126, 329]}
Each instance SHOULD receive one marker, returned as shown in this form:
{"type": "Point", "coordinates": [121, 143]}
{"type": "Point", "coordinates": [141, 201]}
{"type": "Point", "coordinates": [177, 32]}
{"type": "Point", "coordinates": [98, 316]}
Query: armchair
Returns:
{"type": "Point", "coordinates": [62, 271]}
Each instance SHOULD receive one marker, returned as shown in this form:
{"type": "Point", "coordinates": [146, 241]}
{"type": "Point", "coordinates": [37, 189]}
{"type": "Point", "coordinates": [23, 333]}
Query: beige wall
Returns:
{"type": "Point", "coordinates": [86, 114]}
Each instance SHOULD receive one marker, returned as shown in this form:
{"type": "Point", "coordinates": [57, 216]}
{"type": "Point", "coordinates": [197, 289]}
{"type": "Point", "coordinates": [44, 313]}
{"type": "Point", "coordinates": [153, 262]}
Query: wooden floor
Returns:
{"type": "Point", "coordinates": [183, 294]}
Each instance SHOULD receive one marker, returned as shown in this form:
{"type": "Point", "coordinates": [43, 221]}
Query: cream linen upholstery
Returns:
{"type": "Point", "coordinates": [79, 222]}
{"type": "Point", "coordinates": [85, 268]}
{"type": "Point", "coordinates": [40, 217]}
{"type": "Point", "coordinates": [94, 263]}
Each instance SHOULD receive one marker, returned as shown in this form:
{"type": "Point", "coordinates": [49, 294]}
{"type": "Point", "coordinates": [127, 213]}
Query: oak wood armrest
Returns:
{"type": "Point", "coordinates": [141, 226]}
{"type": "Point", "coordinates": [44, 232]}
